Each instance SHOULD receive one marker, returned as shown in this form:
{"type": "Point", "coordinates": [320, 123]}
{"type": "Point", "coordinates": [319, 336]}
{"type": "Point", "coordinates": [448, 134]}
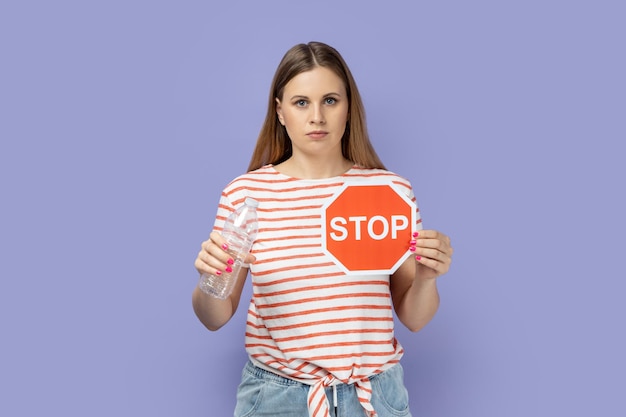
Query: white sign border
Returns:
{"type": "Point", "coordinates": [366, 182]}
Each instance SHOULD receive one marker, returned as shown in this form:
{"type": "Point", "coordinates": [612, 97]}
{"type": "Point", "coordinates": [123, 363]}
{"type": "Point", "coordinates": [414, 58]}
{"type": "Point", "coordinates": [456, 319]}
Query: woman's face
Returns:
{"type": "Point", "coordinates": [314, 111]}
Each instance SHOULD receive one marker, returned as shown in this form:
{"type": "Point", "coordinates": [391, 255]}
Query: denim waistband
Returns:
{"type": "Point", "coordinates": [270, 376]}
{"type": "Point", "coordinates": [262, 373]}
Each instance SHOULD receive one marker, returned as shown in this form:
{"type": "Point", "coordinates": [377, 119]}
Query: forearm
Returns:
{"type": "Point", "coordinates": [418, 304]}
{"type": "Point", "coordinates": [213, 312]}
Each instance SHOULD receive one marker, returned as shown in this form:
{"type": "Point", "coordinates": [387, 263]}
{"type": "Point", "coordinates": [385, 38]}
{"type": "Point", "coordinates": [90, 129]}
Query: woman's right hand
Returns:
{"type": "Point", "coordinates": [214, 257]}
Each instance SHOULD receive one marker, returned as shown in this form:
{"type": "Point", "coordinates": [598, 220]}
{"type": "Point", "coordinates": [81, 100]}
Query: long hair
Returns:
{"type": "Point", "coordinates": [273, 145]}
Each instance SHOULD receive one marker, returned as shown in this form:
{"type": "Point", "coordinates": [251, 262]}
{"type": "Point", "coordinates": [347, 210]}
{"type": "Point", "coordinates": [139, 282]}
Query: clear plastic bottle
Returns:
{"type": "Point", "coordinates": [239, 231]}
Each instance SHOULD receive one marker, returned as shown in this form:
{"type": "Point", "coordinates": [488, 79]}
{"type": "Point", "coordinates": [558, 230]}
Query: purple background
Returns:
{"type": "Point", "coordinates": [120, 122]}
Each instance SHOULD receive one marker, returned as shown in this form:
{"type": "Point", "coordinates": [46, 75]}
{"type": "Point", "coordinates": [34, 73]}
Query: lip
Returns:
{"type": "Point", "coordinates": [317, 134]}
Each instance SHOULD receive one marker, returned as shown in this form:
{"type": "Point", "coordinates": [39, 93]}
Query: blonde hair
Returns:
{"type": "Point", "coordinates": [273, 146]}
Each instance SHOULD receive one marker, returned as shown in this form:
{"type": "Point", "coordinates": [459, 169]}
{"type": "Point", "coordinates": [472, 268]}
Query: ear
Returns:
{"type": "Point", "coordinates": [279, 111]}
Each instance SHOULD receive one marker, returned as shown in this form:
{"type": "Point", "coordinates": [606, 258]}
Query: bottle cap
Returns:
{"type": "Point", "coordinates": [249, 201]}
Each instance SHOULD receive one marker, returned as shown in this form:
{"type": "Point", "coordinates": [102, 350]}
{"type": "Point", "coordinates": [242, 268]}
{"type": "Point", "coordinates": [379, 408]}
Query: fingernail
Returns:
{"type": "Point", "coordinates": [229, 269]}
{"type": "Point", "coordinates": [412, 248]}
{"type": "Point", "coordinates": [417, 258]}
{"type": "Point", "coordinates": [225, 246]}
{"type": "Point", "coordinates": [218, 273]}
{"type": "Point", "coordinates": [230, 261]}
{"type": "Point", "coordinates": [413, 242]}
{"type": "Point", "coordinates": [415, 234]}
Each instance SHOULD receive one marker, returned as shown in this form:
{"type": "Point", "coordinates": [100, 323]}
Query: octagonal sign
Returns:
{"type": "Point", "coordinates": [366, 227]}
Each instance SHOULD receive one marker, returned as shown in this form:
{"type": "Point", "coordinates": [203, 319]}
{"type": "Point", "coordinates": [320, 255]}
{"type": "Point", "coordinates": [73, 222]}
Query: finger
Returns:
{"type": "Point", "coordinates": [434, 259]}
{"type": "Point", "coordinates": [218, 241]}
{"type": "Point", "coordinates": [205, 264]}
{"type": "Point", "coordinates": [434, 240]}
{"type": "Point", "coordinates": [425, 246]}
{"type": "Point", "coordinates": [212, 258]}
{"type": "Point", "coordinates": [439, 267]}
{"type": "Point", "coordinates": [427, 233]}
{"type": "Point", "coordinates": [217, 247]}
{"type": "Point", "coordinates": [434, 254]}
{"type": "Point", "coordinates": [431, 234]}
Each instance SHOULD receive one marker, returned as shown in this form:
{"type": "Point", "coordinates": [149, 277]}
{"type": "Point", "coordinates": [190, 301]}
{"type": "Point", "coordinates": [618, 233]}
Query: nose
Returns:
{"type": "Point", "coordinates": [317, 115]}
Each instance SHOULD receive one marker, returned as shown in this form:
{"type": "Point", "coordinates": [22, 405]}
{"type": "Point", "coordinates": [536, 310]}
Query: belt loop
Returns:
{"type": "Point", "coordinates": [335, 397]}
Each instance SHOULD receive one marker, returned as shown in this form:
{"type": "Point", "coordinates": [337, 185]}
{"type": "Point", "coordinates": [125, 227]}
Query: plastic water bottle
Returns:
{"type": "Point", "coordinates": [239, 231]}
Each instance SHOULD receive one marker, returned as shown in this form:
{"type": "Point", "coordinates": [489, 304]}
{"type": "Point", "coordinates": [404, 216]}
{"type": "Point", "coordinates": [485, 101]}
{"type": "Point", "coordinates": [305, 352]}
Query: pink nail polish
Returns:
{"type": "Point", "coordinates": [218, 273]}
{"type": "Point", "coordinates": [229, 269]}
{"type": "Point", "coordinates": [225, 246]}
{"type": "Point", "coordinates": [413, 242]}
{"type": "Point", "coordinates": [417, 258]}
{"type": "Point", "coordinates": [230, 261]}
{"type": "Point", "coordinates": [412, 248]}
{"type": "Point", "coordinates": [415, 234]}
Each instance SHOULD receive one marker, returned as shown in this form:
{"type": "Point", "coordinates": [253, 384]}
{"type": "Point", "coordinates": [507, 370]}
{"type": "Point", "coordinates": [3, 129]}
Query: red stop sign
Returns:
{"type": "Point", "coordinates": [367, 227]}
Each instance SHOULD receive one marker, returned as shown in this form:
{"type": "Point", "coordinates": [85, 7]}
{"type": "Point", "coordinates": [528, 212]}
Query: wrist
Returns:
{"type": "Point", "coordinates": [425, 280]}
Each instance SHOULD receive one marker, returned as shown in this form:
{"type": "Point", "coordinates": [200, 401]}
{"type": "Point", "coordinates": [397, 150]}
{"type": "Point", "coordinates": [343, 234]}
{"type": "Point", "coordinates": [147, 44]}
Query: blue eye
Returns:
{"type": "Point", "coordinates": [330, 100]}
{"type": "Point", "coordinates": [301, 103]}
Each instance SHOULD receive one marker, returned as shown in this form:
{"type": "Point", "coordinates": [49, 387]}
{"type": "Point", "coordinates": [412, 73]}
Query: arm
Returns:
{"type": "Point", "coordinates": [211, 311]}
{"type": "Point", "coordinates": [414, 285]}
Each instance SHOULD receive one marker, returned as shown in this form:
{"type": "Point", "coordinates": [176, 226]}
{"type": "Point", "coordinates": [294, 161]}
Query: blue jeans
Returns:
{"type": "Point", "coordinates": [265, 394]}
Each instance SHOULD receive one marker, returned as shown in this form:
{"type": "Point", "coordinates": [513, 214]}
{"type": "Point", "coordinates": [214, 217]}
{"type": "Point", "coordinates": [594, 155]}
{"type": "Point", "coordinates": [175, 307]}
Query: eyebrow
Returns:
{"type": "Point", "coordinates": [298, 96]}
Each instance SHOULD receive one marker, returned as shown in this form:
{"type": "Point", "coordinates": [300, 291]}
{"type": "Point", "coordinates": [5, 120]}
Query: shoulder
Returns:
{"type": "Point", "coordinates": [377, 174]}
{"type": "Point", "coordinates": [263, 179]}
{"type": "Point", "coordinates": [266, 174]}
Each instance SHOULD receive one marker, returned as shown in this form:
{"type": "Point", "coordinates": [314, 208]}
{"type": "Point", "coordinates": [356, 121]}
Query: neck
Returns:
{"type": "Point", "coordinates": [314, 169]}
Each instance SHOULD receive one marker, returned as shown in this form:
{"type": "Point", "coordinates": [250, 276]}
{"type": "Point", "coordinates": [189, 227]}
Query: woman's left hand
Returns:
{"type": "Point", "coordinates": [433, 253]}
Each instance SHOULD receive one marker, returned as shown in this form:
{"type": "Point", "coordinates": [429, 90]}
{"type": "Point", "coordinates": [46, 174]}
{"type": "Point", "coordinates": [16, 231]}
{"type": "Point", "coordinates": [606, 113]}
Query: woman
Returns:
{"type": "Point", "coordinates": [320, 342]}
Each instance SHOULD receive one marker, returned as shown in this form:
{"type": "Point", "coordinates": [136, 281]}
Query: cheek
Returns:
{"type": "Point", "coordinates": [291, 119]}
{"type": "Point", "coordinates": [345, 111]}
{"type": "Point", "coordinates": [289, 123]}
{"type": "Point", "coordinates": [343, 119]}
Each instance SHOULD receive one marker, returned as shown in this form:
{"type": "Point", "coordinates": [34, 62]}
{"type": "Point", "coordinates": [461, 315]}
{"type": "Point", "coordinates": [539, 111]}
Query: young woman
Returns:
{"type": "Point", "coordinates": [320, 342]}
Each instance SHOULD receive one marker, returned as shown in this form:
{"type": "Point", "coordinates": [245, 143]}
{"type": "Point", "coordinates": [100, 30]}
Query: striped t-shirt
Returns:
{"type": "Point", "coordinates": [307, 319]}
